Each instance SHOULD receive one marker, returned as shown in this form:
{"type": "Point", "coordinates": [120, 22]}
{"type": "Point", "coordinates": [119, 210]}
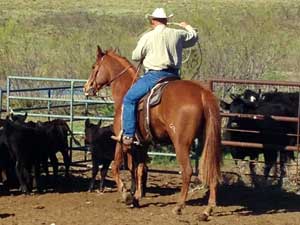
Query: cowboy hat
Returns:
{"type": "Point", "coordinates": [159, 13]}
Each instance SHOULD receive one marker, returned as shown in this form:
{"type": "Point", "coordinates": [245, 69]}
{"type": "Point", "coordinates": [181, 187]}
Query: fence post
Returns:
{"type": "Point", "coordinates": [86, 109]}
{"type": "Point", "coordinates": [298, 140]}
{"type": "Point", "coordinates": [49, 103]}
{"type": "Point", "coordinates": [0, 102]}
{"type": "Point", "coordinates": [71, 117]}
{"type": "Point", "coordinates": [7, 94]}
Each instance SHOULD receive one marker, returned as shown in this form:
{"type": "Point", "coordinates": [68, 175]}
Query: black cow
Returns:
{"type": "Point", "coordinates": [289, 100]}
{"type": "Point", "coordinates": [27, 147]}
{"type": "Point", "coordinates": [102, 148]}
{"type": "Point", "coordinates": [6, 164]}
{"type": "Point", "coordinates": [57, 133]}
{"type": "Point", "coordinates": [271, 133]}
{"type": "Point", "coordinates": [18, 118]}
{"type": "Point", "coordinates": [2, 122]}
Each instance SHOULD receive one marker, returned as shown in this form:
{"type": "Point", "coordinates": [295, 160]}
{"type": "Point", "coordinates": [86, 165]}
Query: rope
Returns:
{"type": "Point", "coordinates": [198, 45]}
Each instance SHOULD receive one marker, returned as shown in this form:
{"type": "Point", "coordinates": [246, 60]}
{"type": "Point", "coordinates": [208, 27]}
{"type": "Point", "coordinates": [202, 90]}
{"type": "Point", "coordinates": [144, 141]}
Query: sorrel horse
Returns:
{"type": "Point", "coordinates": [187, 110]}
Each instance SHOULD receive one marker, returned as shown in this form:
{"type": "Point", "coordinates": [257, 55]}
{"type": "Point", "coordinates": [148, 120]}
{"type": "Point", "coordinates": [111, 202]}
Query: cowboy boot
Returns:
{"type": "Point", "coordinates": [118, 138]}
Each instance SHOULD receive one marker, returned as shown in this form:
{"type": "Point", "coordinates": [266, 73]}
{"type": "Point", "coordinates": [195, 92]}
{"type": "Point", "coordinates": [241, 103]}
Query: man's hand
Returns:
{"type": "Point", "coordinates": [183, 24]}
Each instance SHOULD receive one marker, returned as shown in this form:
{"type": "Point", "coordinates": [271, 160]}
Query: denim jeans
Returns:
{"type": "Point", "coordinates": [140, 88]}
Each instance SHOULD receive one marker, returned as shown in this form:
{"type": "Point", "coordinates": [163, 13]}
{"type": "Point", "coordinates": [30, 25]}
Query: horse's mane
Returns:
{"type": "Point", "coordinates": [123, 60]}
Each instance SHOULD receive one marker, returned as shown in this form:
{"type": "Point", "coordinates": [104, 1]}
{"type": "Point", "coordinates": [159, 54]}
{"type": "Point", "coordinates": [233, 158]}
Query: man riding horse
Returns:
{"type": "Point", "coordinates": [187, 110]}
{"type": "Point", "coordinates": [161, 52]}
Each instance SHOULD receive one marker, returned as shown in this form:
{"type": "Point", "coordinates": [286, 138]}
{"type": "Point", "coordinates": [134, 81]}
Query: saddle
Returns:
{"type": "Point", "coordinates": [151, 99]}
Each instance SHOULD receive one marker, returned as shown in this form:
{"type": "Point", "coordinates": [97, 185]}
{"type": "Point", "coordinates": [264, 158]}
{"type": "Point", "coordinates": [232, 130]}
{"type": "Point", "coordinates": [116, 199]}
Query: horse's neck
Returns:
{"type": "Point", "coordinates": [120, 87]}
{"type": "Point", "coordinates": [121, 84]}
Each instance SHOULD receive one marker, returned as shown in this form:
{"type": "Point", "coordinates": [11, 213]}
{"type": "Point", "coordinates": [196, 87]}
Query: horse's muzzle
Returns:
{"type": "Point", "coordinates": [90, 92]}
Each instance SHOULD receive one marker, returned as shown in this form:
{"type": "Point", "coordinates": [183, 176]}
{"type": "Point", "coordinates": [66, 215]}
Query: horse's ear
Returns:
{"type": "Point", "coordinates": [117, 50]}
{"type": "Point", "coordinates": [100, 53]}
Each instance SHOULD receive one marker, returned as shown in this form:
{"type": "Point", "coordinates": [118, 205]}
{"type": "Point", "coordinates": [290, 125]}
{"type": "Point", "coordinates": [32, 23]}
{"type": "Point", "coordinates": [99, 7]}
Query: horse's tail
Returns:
{"type": "Point", "coordinates": [210, 173]}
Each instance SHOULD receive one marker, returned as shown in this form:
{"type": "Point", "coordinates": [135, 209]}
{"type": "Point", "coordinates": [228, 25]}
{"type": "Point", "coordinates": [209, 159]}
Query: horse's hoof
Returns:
{"type": "Point", "coordinates": [177, 210]}
{"type": "Point", "coordinates": [203, 217]}
{"type": "Point", "coordinates": [135, 203]}
{"type": "Point", "coordinates": [99, 191]}
{"type": "Point", "coordinates": [127, 197]}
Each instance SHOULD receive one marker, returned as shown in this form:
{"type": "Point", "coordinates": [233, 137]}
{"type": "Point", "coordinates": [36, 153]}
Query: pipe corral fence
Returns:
{"type": "Point", "coordinates": [224, 87]}
{"type": "Point", "coordinates": [52, 98]}
{"type": "Point", "coordinates": [47, 98]}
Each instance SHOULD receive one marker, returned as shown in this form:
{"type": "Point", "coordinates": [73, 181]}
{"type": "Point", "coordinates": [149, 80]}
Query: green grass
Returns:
{"type": "Point", "coordinates": [239, 39]}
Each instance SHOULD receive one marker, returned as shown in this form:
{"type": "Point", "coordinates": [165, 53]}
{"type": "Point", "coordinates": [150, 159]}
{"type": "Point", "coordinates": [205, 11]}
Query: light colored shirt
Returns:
{"type": "Point", "coordinates": [162, 47]}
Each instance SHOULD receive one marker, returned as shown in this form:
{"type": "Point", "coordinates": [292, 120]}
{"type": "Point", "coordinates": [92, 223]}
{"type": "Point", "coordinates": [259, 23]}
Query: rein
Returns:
{"type": "Point", "coordinates": [118, 75]}
{"type": "Point", "coordinates": [122, 72]}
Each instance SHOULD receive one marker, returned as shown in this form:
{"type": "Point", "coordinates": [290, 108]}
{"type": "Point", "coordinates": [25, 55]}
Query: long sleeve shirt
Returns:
{"type": "Point", "coordinates": [161, 48]}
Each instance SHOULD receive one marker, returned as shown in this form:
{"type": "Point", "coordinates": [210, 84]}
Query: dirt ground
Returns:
{"type": "Point", "coordinates": [71, 204]}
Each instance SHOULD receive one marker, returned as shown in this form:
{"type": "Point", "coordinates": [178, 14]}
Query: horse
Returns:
{"type": "Point", "coordinates": [186, 111]}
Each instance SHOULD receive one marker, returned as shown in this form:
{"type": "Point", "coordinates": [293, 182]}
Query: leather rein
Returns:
{"type": "Point", "coordinates": [120, 73]}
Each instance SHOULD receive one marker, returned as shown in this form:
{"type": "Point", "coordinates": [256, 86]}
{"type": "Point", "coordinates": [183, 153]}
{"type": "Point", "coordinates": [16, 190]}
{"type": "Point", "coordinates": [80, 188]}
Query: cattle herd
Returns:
{"type": "Point", "coordinates": [26, 148]}
{"type": "Point", "coordinates": [273, 134]}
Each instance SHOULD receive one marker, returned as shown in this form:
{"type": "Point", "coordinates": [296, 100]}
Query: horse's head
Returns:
{"type": "Point", "coordinates": [99, 75]}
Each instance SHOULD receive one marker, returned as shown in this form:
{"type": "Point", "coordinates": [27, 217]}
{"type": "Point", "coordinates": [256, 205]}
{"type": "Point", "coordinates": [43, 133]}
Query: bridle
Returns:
{"type": "Point", "coordinates": [119, 75]}
{"type": "Point", "coordinates": [114, 77]}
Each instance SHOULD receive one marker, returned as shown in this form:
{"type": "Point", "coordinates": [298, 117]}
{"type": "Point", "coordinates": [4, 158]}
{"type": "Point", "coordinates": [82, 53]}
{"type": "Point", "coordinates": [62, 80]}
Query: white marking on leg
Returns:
{"type": "Point", "coordinates": [172, 126]}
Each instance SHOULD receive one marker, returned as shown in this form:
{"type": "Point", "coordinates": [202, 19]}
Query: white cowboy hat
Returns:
{"type": "Point", "coordinates": [159, 13]}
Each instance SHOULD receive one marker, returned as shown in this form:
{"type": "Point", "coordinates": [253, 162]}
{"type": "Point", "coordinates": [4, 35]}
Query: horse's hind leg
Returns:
{"type": "Point", "coordinates": [211, 203]}
{"type": "Point", "coordinates": [182, 155]}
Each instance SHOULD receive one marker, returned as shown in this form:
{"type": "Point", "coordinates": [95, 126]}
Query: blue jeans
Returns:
{"type": "Point", "coordinates": [140, 88]}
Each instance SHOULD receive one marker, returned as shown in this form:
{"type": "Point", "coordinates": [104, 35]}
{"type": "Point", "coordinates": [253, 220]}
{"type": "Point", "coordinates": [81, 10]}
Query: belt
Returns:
{"type": "Point", "coordinates": [169, 70]}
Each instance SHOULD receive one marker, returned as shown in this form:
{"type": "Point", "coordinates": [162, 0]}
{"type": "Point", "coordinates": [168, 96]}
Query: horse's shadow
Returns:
{"type": "Point", "coordinates": [75, 184]}
{"type": "Point", "coordinates": [5, 215]}
{"type": "Point", "coordinates": [157, 190]}
{"type": "Point", "coordinates": [253, 201]}
{"type": "Point", "coordinates": [59, 184]}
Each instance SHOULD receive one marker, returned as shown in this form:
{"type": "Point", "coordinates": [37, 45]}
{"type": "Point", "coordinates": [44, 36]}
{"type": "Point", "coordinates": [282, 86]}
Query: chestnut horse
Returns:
{"type": "Point", "coordinates": [187, 110]}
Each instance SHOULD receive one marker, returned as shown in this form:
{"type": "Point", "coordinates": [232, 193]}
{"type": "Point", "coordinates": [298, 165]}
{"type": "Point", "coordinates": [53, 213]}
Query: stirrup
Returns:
{"type": "Point", "coordinates": [126, 140]}
{"type": "Point", "coordinates": [117, 138]}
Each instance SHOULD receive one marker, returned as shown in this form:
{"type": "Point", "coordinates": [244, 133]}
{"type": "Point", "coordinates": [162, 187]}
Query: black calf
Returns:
{"type": "Point", "coordinates": [102, 148]}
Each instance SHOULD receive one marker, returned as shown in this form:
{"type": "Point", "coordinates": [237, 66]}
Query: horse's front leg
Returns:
{"type": "Point", "coordinates": [116, 168]}
{"type": "Point", "coordinates": [140, 183]}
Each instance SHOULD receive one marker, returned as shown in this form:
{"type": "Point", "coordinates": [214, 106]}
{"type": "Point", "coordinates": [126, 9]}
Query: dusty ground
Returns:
{"type": "Point", "coordinates": [71, 204]}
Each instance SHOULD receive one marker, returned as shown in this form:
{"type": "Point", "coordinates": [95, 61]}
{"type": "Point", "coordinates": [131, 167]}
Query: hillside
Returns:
{"type": "Point", "coordinates": [239, 39]}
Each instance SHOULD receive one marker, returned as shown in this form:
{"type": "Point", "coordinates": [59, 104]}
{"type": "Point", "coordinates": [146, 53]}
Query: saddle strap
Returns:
{"type": "Point", "coordinates": [146, 110]}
